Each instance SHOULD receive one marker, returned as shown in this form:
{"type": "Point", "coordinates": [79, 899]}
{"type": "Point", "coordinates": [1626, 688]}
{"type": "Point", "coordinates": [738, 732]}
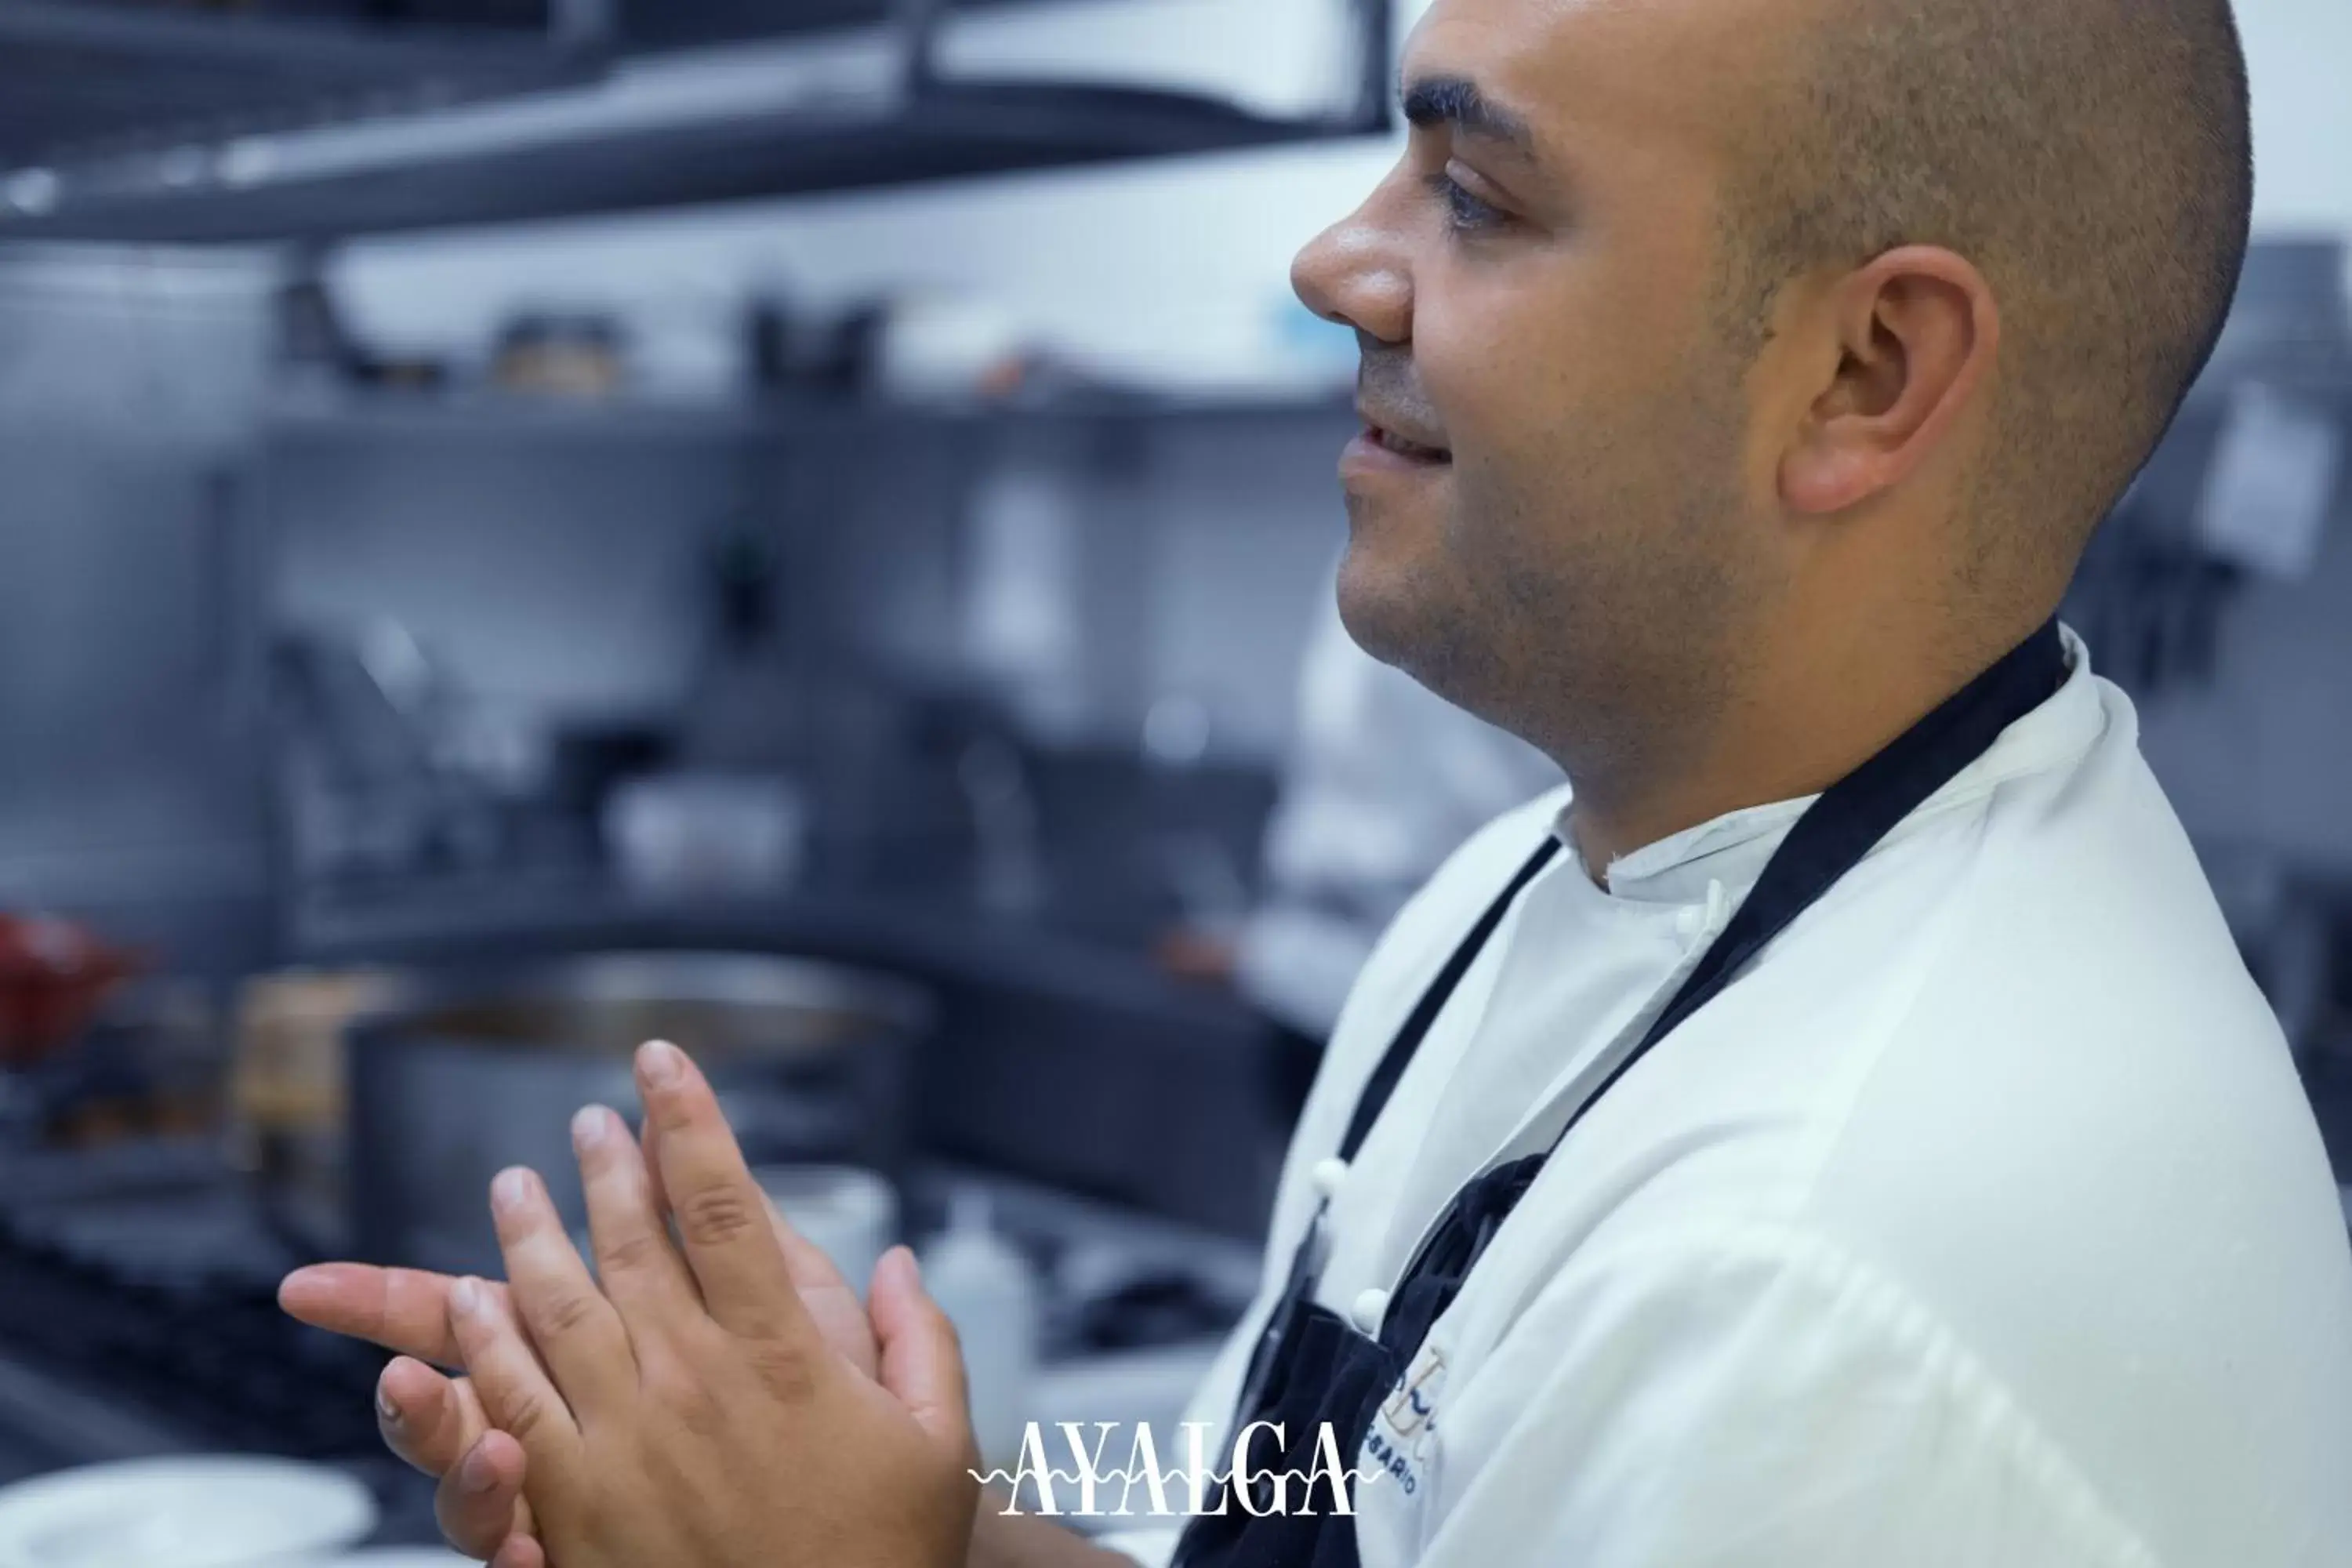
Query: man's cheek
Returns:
{"type": "Point", "coordinates": [1482, 511]}
{"type": "Point", "coordinates": [1492, 397]}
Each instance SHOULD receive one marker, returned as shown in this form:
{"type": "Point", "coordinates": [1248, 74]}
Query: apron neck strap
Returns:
{"type": "Point", "coordinates": [1383, 1081]}
{"type": "Point", "coordinates": [1841, 828]}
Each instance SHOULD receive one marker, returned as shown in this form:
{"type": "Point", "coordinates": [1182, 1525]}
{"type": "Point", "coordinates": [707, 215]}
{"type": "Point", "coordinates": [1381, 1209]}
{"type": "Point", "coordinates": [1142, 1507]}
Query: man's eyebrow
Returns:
{"type": "Point", "coordinates": [1459, 102]}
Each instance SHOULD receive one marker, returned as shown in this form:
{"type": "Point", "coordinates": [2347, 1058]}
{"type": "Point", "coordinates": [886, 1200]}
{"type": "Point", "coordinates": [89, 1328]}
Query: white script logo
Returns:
{"type": "Point", "coordinates": [1198, 1490]}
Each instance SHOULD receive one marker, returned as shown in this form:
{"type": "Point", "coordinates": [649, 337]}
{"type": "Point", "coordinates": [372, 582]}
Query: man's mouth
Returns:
{"type": "Point", "coordinates": [1384, 445]}
{"type": "Point", "coordinates": [1413, 451]}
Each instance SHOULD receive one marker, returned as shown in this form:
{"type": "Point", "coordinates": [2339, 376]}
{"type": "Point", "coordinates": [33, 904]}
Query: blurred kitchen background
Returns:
{"type": "Point", "coordinates": [800, 525]}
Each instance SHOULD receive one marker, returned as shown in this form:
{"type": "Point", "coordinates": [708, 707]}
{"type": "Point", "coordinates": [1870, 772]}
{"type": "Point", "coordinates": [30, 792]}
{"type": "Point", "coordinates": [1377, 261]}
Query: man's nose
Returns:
{"type": "Point", "coordinates": [1353, 273]}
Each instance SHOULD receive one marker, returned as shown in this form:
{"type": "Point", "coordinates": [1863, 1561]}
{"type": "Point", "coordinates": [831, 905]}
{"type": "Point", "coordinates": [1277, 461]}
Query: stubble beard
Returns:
{"type": "Point", "coordinates": [1605, 628]}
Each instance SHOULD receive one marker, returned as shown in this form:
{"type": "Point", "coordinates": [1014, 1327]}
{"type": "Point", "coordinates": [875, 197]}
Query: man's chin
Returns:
{"type": "Point", "coordinates": [1383, 602]}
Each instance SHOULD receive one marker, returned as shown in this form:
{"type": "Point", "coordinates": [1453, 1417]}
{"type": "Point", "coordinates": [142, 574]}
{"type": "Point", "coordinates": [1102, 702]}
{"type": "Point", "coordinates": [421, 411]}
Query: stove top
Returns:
{"type": "Point", "coordinates": [144, 1276]}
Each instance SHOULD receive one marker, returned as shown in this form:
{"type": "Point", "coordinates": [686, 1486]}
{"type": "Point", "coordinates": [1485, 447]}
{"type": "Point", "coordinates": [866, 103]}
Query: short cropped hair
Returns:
{"type": "Point", "coordinates": [2093, 158]}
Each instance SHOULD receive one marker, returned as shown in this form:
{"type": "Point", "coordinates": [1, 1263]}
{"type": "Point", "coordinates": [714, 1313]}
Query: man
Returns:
{"type": "Point", "coordinates": [1844, 1134]}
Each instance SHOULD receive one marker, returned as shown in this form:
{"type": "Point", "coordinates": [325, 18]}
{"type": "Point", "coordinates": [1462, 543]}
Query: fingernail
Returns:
{"type": "Point", "coordinates": [478, 1477]}
{"type": "Point", "coordinates": [466, 1297]}
{"type": "Point", "coordinates": [662, 1063]}
{"type": "Point", "coordinates": [385, 1408]}
{"type": "Point", "coordinates": [512, 1189]}
{"type": "Point", "coordinates": [590, 1126]}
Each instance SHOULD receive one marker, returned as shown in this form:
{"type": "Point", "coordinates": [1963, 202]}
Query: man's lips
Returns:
{"type": "Point", "coordinates": [1384, 439]}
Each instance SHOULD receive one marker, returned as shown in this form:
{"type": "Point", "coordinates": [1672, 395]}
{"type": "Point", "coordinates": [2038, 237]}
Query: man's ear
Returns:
{"type": "Point", "coordinates": [1917, 331]}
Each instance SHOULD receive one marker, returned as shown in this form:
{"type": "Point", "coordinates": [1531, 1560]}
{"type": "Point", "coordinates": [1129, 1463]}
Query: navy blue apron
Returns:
{"type": "Point", "coordinates": [1312, 1367]}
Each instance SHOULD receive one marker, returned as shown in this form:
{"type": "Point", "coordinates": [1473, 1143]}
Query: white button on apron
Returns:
{"type": "Point", "coordinates": [1327, 1176]}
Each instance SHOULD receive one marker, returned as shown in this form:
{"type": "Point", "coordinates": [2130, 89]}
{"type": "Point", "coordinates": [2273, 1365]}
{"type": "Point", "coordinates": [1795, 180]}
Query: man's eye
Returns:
{"type": "Point", "coordinates": [1464, 213]}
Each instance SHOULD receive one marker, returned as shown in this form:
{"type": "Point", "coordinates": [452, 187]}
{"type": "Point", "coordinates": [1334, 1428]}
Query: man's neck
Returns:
{"type": "Point", "coordinates": [1789, 736]}
{"type": "Point", "coordinates": [1607, 825]}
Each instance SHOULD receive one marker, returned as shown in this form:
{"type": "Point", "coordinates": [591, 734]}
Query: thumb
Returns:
{"type": "Point", "coordinates": [921, 1365]}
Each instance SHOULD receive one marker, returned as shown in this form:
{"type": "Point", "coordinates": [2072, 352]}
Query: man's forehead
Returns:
{"type": "Point", "coordinates": [1557, 64]}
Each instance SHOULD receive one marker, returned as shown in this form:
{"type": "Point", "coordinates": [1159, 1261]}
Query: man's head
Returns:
{"type": "Point", "coordinates": [1755, 333]}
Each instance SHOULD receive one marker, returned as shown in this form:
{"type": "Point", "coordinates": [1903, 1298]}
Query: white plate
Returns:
{"type": "Point", "coordinates": [404, 1557]}
{"type": "Point", "coordinates": [182, 1513]}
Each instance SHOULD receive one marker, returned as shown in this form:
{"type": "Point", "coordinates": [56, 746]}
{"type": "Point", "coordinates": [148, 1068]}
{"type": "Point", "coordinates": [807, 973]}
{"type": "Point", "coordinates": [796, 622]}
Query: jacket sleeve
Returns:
{"type": "Point", "coordinates": [1759, 1399]}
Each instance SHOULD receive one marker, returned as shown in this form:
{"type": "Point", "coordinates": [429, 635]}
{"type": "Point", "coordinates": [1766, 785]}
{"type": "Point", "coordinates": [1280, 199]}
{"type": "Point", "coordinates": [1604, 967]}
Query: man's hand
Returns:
{"type": "Point", "coordinates": [689, 1412]}
{"type": "Point", "coordinates": [433, 1421]}
{"type": "Point", "coordinates": [436, 1423]}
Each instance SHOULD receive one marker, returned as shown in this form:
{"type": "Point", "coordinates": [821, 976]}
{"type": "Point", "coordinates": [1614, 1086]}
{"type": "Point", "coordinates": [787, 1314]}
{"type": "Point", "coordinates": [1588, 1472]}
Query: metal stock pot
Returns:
{"type": "Point", "coordinates": [476, 1073]}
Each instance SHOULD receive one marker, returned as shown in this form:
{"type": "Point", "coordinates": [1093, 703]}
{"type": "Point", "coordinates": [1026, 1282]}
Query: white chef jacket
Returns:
{"type": "Point", "coordinates": [1981, 1224]}
{"type": "Point", "coordinates": [1384, 781]}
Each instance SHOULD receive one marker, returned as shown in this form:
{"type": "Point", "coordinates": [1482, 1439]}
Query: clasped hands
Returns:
{"type": "Point", "coordinates": [720, 1400]}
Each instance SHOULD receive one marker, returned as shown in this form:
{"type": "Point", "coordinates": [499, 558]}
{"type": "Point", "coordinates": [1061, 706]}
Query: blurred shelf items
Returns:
{"type": "Point", "coordinates": [228, 122]}
{"type": "Point", "coordinates": [2245, 487]}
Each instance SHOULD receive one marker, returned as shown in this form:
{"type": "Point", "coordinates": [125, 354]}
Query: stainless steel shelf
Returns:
{"type": "Point", "coordinates": [396, 417]}
{"type": "Point", "coordinates": [141, 127]}
{"type": "Point", "coordinates": [484, 417]}
{"type": "Point", "coordinates": [88, 81]}
{"type": "Point", "coordinates": [946, 132]}
{"type": "Point", "coordinates": [103, 32]}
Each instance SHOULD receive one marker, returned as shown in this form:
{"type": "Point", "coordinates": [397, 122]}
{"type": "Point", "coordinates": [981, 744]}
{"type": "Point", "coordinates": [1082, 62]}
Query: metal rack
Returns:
{"type": "Point", "coordinates": [507, 419]}
{"type": "Point", "coordinates": [155, 126]}
{"type": "Point", "coordinates": [81, 81]}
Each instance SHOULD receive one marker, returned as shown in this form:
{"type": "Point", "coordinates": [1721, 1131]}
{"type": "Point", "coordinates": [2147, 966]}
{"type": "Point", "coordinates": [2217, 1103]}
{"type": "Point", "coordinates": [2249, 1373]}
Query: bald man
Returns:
{"type": "Point", "coordinates": [1837, 1131]}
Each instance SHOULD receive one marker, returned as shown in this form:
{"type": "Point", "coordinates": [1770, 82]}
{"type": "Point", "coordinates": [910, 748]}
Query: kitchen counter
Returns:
{"type": "Point", "coordinates": [158, 1246]}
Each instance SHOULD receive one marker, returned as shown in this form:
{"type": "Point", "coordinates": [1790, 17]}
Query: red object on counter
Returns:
{"type": "Point", "coordinates": [54, 977]}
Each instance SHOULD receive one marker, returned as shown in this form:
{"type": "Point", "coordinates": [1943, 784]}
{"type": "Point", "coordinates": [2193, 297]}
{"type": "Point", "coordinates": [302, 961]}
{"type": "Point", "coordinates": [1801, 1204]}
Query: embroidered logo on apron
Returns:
{"type": "Point", "coordinates": [1401, 1441]}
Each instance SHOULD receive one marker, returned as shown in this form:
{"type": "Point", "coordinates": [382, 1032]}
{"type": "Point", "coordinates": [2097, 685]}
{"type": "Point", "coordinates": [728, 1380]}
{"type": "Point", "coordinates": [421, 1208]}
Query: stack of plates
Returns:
{"type": "Point", "coordinates": [196, 1513]}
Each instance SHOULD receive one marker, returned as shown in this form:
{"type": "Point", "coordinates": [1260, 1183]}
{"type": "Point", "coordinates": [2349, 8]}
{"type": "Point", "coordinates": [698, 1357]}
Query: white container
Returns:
{"type": "Point", "coordinates": [680, 835]}
{"type": "Point", "coordinates": [984, 1285]}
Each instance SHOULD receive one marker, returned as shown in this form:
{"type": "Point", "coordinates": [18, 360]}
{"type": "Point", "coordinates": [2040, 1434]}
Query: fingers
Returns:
{"type": "Point", "coordinates": [575, 1329]}
{"type": "Point", "coordinates": [641, 1271]}
{"type": "Point", "coordinates": [831, 1300]}
{"type": "Point", "coordinates": [518, 1395]}
{"type": "Point", "coordinates": [520, 1551]}
{"type": "Point", "coordinates": [479, 1500]}
{"type": "Point", "coordinates": [436, 1423]}
{"type": "Point", "coordinates": [427, 1419]}
{"type": "Point", "coordinates": [640, 1268]}
{"type": "Point", "coordinates": [922, 1365]}
{"type": "Point", "coordinates": [405, 1310]}
{"type": "Point", "coordinates": [723, 1218]}
{"type": "Point", "coordinates": [650, 1138]}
